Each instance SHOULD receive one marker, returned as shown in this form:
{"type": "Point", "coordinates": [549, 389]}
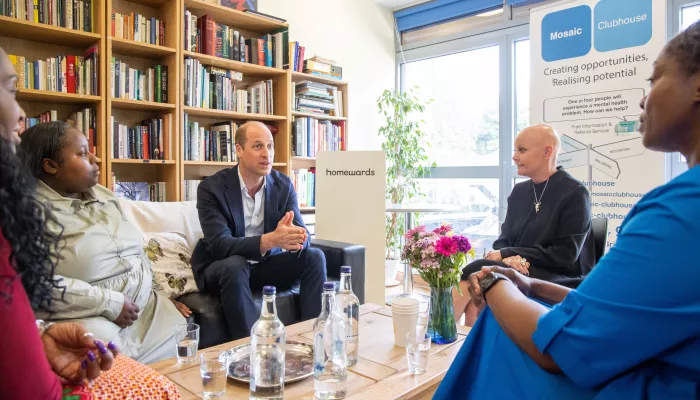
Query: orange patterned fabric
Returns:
{"type": "Point", "coordinates": [130, 380]}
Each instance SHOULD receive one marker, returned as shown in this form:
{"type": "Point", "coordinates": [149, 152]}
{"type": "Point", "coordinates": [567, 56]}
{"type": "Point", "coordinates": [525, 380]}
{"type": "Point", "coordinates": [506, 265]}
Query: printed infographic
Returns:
{"type": "Point", "coordinates": [590, 60]}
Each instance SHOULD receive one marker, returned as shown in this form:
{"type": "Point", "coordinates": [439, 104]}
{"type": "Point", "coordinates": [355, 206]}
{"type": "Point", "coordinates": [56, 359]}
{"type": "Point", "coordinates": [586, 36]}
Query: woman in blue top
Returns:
{"type": "Point", "coordinates": [632, 328]}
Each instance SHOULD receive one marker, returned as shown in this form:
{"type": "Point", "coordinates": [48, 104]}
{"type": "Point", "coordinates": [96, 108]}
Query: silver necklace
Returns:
{"type": "Point", "coordinates": [538, 202]}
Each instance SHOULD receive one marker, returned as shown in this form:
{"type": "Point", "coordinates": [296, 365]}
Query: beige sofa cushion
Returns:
{"type": "Point", "coordinates": [180, 217]}
{"type": "Point", "coordinates": [171, 263]}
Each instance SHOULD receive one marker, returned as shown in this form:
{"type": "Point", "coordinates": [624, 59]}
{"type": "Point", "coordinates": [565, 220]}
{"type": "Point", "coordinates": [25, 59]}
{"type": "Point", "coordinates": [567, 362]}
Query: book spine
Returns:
{"type": "Point", "coordinates": [164, 83]}
{"type": "Point", "coordinates": [209, 32]}
{"type": "Point", "coordinates": [161, 33]}
{"type": "Point", "coordinates": [158, 84]}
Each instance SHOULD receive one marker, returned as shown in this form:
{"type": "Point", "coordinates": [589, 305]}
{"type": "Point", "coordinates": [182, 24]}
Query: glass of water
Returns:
{"type": "Point", "coordinates": [423, 315]}
{"type": "Point", "coordinates": [212, 368]}
{"type": "Point", "coordinates": [186, 342]}
{"type": "Point", "coordinates": [417, 351]}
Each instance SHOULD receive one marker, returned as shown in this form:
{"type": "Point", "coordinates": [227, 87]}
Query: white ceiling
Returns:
{"type": "Point", "coordinates": [398, 4]}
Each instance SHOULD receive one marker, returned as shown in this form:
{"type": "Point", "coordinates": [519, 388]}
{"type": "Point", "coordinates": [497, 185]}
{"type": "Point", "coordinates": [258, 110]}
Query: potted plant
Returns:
{"type": "Point", "coordinates": [404, 144]}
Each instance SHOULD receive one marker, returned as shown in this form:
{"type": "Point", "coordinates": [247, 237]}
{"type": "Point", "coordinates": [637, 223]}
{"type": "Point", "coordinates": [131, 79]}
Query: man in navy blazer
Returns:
{"type": "Point", "coordinates": [254, 235]}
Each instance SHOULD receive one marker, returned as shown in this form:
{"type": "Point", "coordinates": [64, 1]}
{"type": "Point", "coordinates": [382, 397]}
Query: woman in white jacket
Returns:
{"type": "Point", "coordinates": [107, 276]}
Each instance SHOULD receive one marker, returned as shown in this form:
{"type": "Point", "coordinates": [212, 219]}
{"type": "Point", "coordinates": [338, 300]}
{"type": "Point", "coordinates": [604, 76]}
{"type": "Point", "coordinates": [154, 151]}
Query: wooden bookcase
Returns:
{"type": "Point", "coordinates": [131, 112]}
{"type": "Point", "coordinates": [249, 26]}
{"type": "Point", "coordinates": [40, 41]}
{"type": "Point", "coordinates": [36, 41]}
{"type": "Point", "coordinates": [310, 162]}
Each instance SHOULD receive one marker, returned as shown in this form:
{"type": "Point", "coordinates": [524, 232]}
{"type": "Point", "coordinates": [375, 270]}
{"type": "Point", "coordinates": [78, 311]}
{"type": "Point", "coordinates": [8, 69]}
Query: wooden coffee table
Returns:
{"type": "Point", "coordinates": [381, 372]}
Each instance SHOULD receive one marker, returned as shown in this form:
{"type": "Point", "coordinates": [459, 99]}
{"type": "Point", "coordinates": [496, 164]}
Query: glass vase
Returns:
{"type": "Point", "coordinates": [442, 327]}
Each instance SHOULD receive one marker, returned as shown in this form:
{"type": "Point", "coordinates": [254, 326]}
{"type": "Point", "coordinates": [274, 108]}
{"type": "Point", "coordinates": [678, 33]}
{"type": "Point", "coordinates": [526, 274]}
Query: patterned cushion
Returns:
{"type": "Point", "coordinates": [128, 379]}
{"type": "Point", "coordinates": [170, 260]}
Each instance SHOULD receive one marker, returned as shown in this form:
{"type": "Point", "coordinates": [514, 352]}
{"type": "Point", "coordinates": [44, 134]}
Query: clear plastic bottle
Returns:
{"type": "Point", "coordinates": [267, 341]}
{"type": "Point", "coordinates": [330, 360]}
{"type": "Point", "coordinates": [349, 307]}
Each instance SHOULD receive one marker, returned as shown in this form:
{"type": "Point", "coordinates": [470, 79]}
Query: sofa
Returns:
{"type": "Point", "coordinates": [182, 218]}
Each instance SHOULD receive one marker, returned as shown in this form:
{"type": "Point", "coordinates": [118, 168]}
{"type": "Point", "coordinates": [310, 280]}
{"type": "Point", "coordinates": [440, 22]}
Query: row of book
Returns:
{"type": "Point", "coordinates": [318, 98]}
{"type": "Point", "coordinates": [190, 188]}
{"type": "Point", "coordinates": [213, 144]}
{"type": "Point", "coordinates": [305, 184]}
{"type": "Point", "coordinates": [139, 28]}
{"type": "Point", "coordinates": [84, 121]}
{"type": "Point", "coordinates": [206, 36]}
{"type": "Point", "coordinates": [146, 141]}
{"type": "Point", "coordinates": [139, 191]}
{"type": "Point", "coordinates": [311, 136]}
{"type": "Point", "coordinates": [63, 73]}
{"type": "Point", "coordinates": [220, 89]}
{"type": "Point", "coordinates": [134, 84]}
{"type": "Point", "coordinates": [71, 14]}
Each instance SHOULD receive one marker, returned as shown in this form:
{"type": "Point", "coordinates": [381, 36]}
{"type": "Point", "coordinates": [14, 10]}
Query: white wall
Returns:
{"type": "Point", "coordinates": [359, 34]}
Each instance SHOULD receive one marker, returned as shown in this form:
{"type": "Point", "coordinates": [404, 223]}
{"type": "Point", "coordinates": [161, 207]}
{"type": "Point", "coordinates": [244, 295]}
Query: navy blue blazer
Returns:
{"type": "Point", "coordinates": [220, 208]}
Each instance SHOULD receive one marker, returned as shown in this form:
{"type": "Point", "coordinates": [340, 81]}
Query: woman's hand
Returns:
{"type": "Point", "coordinates": [184, 310]}
{"type": "Point", "coordinates": [74, 354]}
{"type": "Point", "coordinates": [518, 263]}
{"type": "Point", "coordinates": [494, 255]}
{"type": "Point", "coordinates": [129, 314]}
{"type": "Point", "coordinates": [521, 281]}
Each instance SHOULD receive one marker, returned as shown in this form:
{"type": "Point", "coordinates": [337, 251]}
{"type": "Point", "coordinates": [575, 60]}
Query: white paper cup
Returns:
{"type": "Point", "coordinates": [404, 311]}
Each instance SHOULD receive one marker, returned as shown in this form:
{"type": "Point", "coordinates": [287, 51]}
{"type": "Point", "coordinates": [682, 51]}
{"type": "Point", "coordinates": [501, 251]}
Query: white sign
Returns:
{"type": "Point", "coordinates": [589, 63]}
{"type": "Point", "coordinates": [350, 207]}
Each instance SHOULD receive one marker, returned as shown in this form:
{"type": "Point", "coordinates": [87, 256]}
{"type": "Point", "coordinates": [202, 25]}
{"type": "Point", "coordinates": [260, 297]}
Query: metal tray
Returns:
{"type": "Point", "coordinates": [299, 362]}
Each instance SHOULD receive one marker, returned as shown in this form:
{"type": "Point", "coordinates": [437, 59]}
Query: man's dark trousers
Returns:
{"type": "Point", "coordinates": [235, 279]}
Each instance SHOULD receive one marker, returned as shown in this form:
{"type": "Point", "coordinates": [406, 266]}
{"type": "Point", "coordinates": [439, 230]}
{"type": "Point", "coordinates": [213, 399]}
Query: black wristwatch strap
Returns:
{"type": "Point", "coordinates": [494, 279]}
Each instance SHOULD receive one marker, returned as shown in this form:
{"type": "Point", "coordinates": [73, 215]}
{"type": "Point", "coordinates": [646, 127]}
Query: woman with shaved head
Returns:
{"type": "Point", "coordinates": [547, 231]}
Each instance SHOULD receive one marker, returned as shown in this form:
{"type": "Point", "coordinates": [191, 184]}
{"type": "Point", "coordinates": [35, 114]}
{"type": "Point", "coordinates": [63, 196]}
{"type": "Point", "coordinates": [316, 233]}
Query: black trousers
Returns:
{"type": "Point", "coordinates": [476, 266]}
{"type": "Point", "coordinates": [538, 273]}
{"type": "Point", "coordinates": [235, 279]}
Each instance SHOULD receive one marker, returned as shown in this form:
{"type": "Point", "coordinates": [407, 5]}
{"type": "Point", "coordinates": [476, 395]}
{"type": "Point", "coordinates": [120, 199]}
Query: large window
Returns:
{"type": "Point", "coordinates": [462, 121]}
{"type": "Point", "coordinates": [479, 92]}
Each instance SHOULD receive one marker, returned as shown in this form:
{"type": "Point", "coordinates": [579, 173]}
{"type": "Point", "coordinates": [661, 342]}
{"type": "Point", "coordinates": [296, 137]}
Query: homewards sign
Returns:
{"type": "Point", "coordinates": [355, 172]}
{"type": "Point", "coordinates": [350, 208]}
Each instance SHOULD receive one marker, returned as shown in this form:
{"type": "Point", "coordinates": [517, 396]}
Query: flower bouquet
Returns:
{"type": "Point", "coordinates": [439, 257]}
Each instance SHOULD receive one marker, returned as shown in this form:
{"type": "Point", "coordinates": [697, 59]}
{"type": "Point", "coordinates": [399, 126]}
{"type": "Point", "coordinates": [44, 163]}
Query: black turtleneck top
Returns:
{"type": "Point", "coordinates": [557, 240]}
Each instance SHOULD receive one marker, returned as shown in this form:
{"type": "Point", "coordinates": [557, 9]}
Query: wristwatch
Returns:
{"type": "Point", "coordinates": [490, 280]}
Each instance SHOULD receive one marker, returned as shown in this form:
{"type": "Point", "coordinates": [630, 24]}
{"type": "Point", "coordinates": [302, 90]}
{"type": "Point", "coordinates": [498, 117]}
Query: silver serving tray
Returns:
{"type": "Point", "coordinates": [299, 362]}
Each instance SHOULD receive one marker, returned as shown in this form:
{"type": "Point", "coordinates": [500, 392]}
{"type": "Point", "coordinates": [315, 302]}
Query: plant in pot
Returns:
{"type": "Point", "coordinates": [404, 144]}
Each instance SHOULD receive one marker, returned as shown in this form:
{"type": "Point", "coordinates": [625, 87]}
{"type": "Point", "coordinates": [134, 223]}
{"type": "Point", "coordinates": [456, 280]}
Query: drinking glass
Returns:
{"type": "Point", "coordinates": [423, 315]}
{"type": "Point", "coordinates": [212, 368]}
{"type": "Point", "coordinates": [417, 351]}
{"type": "Point", "coordinates": [186, 343]}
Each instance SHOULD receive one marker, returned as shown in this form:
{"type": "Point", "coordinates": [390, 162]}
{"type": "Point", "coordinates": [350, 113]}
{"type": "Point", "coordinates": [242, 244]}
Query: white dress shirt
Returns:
{"type": "Point", "coordinates": [253, 209]}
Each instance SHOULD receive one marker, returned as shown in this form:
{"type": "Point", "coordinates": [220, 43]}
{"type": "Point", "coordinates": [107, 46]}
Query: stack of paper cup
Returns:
{"type": "Point", "coordinates": [404, 311]}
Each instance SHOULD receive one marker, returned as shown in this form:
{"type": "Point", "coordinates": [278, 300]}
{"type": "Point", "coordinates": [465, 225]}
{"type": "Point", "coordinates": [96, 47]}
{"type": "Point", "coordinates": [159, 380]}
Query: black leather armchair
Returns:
{"type": "Point", "coordinates": [208, 313]}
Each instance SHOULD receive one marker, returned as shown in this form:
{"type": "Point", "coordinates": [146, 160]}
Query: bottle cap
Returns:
{"type": "Point", "coordinates": [269, 290]}
{"type": "Point", "coordinates": [345, 269]}
{"type": "Point", "coordinates": [328, 285]}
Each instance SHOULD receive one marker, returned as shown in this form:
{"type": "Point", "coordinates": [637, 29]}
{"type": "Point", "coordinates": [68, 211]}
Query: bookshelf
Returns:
{"type": "Point", "coordinates": [123, 46]}
{"type": "Point", "coordinates": [39, 41]}
{"type": "Point", "coordinates": [297, 162]}
{"type": "Point", "coordinates": [250, 26]}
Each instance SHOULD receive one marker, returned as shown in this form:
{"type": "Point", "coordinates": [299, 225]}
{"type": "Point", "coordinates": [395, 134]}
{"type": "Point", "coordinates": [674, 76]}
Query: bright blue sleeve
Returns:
{"type": "Point", "coordinates": [643, 297]}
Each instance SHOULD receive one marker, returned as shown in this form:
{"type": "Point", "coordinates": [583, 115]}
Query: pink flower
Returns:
{"type": "Point", "coordinates": [443, 229]}
{"type": "Point", "coordinates": [412, 232]}
{"type": "Point", "coordinates": [446, 246]}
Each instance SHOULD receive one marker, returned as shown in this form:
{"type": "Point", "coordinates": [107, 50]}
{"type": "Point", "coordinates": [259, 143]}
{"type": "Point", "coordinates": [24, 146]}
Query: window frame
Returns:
{"type": "Point", "coordinates": [504, 36]}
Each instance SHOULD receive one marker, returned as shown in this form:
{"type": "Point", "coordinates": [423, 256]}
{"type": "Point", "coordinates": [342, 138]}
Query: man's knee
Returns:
{"type": "Point", "coordinates": [234, 270]}
{"type": "Point", "coordinates": [315, 259]}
